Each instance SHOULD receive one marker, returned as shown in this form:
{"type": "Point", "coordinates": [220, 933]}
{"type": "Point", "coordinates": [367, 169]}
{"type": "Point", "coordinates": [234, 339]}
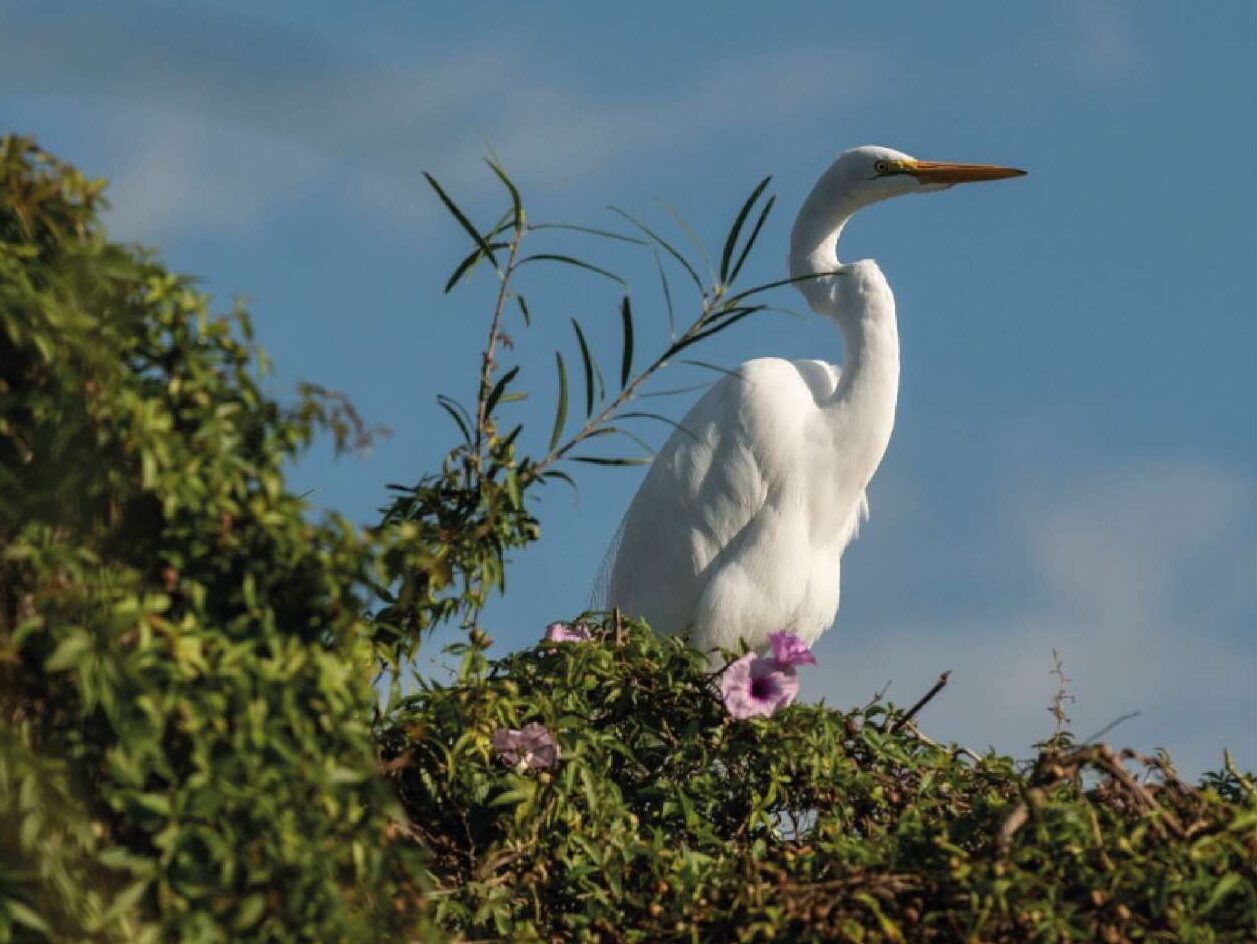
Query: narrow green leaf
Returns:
{"type": "Point", "coordinates": [709, 366]}
{"type": "Point", "coordinates": [716, 328]}
{"type": "Point", "coordinates": [667, 294]}
{"type": "Point", "coordinates": [626, 320]}
{"type": "Point", "coordinates": [733, 300]}
{"type": "Point", "coordinates": [588, 362]}
{"type": "Point", "coordinates": [468, 264]}
{"type": "Point", "coordinates": [69, 651]}
{"type": "Point", "coordinates": [25, 915]}
{"type": "Point", "coordinates": [645, 415]}
{"type": "Point", "coordinates": [609, 460]}
{"type": "Point", "coordinates": [563, 477]}
{"type": "Point", "coordinates": [523, 309]}
{"type": "Point", "coordinates": [516, 203]}
{"type": "Point", "coordinates": [457, 413]}
{"type": "Point", "coordinates": [746, 250]}
{"type": "Point", "coordinates": [560, 413]}
{"type": "Point", "coordinates": [569, 260]}
{"type": "Point", "coordinates": [589, 230]}
{"type": "Point", "coordinates": [691, 236]}
{"type": "Point", "coordinates": [1227, 884]}
{"type": "Point", "coordinates": [462, 219]}
{"type": "Point", "coordinates": [664, 244]}
{"type": "Point", "coordinates": [674, 391]}
{"type": "Point", "coordinates": [637, 439]}
{"type": "Point", "coordinates": [731, 241]}
{"type": "Point", "coordinates": [498, 389]}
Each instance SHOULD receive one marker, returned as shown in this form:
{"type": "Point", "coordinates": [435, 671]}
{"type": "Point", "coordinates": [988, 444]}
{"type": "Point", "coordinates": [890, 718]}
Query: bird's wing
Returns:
{"type": "Point", "coordinates": [708, 482]}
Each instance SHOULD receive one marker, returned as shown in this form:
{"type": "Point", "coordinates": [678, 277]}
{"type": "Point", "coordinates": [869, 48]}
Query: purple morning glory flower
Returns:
{"type": "Point", "coordinates": [755, 686]}
{"type": "Point", "coordinates": [789, 650]}
{"type": "Point", "coordinates": [561, 632]}
{"type": "Point", "coordinates": [531, 747]}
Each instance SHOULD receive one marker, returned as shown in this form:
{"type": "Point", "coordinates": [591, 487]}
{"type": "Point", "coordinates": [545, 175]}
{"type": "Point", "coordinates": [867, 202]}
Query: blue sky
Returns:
{"type": "Point", "coordinates": [1075, 460]}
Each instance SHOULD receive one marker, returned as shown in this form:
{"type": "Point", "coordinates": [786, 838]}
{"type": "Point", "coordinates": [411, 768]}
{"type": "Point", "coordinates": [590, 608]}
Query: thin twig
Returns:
{"type": "Point", "coordinates": [877, 696]}
{"type": "Point", "coordinates": [495, 334]}
{"type": "Point", "coordinates": [921, 702]}
{"type": "Point", "coordinates": [1110, 726]}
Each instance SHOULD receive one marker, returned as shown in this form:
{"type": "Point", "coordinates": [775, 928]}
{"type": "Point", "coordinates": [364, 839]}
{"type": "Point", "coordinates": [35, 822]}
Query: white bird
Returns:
{"type": "Point", "coordinates": [738, 529]}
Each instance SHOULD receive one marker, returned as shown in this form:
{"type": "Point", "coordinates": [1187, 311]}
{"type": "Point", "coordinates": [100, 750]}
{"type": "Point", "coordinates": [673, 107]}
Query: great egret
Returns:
{"type": "Point", "coordinates": [738, 529]}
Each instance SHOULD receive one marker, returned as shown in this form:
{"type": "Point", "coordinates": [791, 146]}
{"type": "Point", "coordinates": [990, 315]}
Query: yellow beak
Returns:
{"type": "Point", "coordinates": [940, 172]}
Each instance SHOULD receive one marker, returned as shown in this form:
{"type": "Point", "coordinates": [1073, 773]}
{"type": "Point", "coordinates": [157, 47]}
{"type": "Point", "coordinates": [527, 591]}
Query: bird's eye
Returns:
{"type": "Point", "coordinates": [881, 167]}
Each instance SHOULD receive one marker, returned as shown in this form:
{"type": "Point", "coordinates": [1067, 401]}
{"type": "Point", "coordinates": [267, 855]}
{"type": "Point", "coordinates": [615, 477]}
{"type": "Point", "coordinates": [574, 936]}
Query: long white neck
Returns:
{"type": "Point", "coordinates": [859, 299]}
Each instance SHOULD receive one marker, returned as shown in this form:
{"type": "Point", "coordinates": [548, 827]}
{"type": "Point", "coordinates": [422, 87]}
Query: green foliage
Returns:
{"type": "Point", "coordinates": [185, 679]}
{"type": "Point", "coordinates": [665, 820]}
{"type": "Point", "coordinates": [191, 745]}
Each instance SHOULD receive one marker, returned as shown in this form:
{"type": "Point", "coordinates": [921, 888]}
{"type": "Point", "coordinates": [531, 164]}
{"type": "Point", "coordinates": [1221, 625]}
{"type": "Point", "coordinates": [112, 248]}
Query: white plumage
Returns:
{"type": "Point", "coordinates": [738, 529]}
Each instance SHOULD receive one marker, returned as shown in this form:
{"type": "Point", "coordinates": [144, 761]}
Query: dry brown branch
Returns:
{"type": "Point", "coordinates": [921, 702]}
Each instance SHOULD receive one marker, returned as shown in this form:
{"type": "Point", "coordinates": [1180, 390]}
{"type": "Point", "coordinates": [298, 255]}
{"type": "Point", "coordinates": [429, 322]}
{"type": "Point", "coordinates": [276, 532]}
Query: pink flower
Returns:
{"type": "Point", "coordinates": [531, 747]}
{"type": "Point", "coordinates": [789, 650]}
{"type": "Point", "coordinates": [754, 686]}
{"type": "Point", "coordinates": [562, 632]}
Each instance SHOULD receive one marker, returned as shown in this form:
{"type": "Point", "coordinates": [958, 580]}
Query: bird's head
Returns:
{"type": "Point", "coordinates": [875, 173]}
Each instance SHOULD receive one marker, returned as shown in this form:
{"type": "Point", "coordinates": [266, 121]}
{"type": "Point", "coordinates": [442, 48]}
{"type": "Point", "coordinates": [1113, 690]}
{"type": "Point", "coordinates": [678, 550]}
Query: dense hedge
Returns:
{"type": "Point", "coordinates": [192, 746]}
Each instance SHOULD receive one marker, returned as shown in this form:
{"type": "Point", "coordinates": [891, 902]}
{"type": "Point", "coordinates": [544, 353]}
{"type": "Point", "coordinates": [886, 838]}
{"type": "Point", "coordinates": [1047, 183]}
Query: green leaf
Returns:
{"type": "Point", "coordinates": [457, 413]}
{"type": "Point", "coordinates": [716, 328]}
{"type": "Point", "coordinates": [561, 476]}
{"type": "Point", "coordinates": [626, 320]}
{"type": "Point", "coordinates": [746, 250]}
{"type": "Point", "coordinates": [469, 263]}
{"type": "Point", "coordinates": [69, 651]}
{"type": "Point", "coordinates": [1227, 884]}
{"type": "Point", "coordinates": [560, 412]}
{"type": "Point", "coordinates": [590, 230]}
{"type": "Point", "coordinates": [587, 362]}
{"type": "Point", "coordinates": [462, 220]}
{"type": "Point", "coordinates": [498, 389]}
{"type": "Point", "coordinates": [609, 460]}
{"type": "Point", "coordinates": [663, 244]}
{"type": "Point", "coordinates": [569, 260]}
{"type": "Point", "coordinates": [645, 415]}
{"type": "Point", "coordinates": [731, 241]}
{"type": "Point", "coordinates": [523, 309]}
{"type": "Point", "coordinates": [516, 204]}
{"type": "Point", "coordinates": [667, 294]}
{"type": "Point", "coordinates": [25, 915]}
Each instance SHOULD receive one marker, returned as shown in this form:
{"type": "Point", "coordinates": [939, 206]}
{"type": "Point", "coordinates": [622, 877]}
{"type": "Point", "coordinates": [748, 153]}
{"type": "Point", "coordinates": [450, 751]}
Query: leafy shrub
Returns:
{"type": "Point", "coordinates": [665, 819]}
{"type": "Point", "coordinates": [185, 680]}
{"type": "Point", "coordinates": [192, 747]}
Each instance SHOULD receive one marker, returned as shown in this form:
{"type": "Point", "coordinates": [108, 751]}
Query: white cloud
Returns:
{"type": "Point", "coordinates": [1140, 576]}
{"type": "Point", "coordinates": [219, 141]}
{"type": "Point", "coordinates": [1102, 44]}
